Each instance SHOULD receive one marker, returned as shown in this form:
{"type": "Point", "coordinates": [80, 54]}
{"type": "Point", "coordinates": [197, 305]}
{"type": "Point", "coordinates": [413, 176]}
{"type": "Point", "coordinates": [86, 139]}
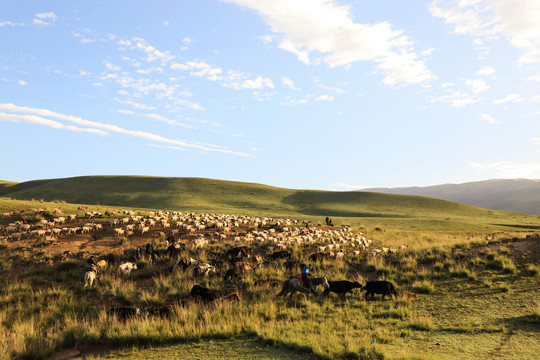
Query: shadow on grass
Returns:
{"type": "Point", "coordinates": [534, 227]}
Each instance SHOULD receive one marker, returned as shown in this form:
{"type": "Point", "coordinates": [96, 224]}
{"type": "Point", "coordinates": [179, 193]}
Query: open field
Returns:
{"type": "Point", "coordinates": [359, 209]}
{"type": "Point", "coordinates": [477, 288]}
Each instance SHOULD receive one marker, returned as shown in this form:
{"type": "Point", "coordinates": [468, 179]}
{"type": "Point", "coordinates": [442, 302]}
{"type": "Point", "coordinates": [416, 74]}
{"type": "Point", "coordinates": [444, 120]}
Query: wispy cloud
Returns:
{"type": "Point", "coordinates": [37, 120]}
{"type": "Point", "coordinates": [231, 79]}
{"type": "Point", "coordinates": [486, 70]}
{"type": "Point", "coordinates": [488, 118]}
{"type": "Point", "coordinates": [514, 98]}
{"type": "Point", "coordinates": [324, 98]}
{"type": "Point", "coordinates": [38, 116]}
{"type": "Point", "coordinates": [457, 99]}
{"type": "Point", "coordinates": [289, 83]}
{"type": "Point", "coordinates": [478, 85]}
{"type": "Point", "coordinates": [10, 23]}
{"type": "Point", "coordinates": [44, 19]}
{"type": "Point", "coordinates": [322, 27]}
{"type": "Point", "coordinates": [516, 20]}
{"type": "Point", "coordinates": [152, 54]}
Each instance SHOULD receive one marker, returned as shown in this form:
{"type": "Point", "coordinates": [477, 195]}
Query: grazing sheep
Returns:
{"type": "Point", "coordinates": [89, 278]}
{"type": "Point", "coordinates": [125, 269]}
{"type": "Point", "coordinates": [379, 287]}
{"type": "Point", "coordinates": [202, 293]}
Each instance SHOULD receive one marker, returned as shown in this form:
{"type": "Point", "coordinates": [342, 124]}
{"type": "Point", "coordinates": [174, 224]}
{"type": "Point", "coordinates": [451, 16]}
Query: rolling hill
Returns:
{"type": "Point", "coordinates": [208, 195]}
{"type": "Point", "coordinates": [516, 195]}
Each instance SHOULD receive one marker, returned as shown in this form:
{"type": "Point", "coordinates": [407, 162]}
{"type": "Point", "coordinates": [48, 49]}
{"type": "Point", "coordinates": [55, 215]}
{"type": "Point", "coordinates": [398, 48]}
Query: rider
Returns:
{"type": "Point", "coordinates": [305, 277]}
{"type": "Point", "coordinates": [91, 264]}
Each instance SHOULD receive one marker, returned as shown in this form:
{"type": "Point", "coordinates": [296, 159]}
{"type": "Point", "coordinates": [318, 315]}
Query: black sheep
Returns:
{"type": "Point", "coordinates": [380, 287]}
{"type": "Point", "coordinates": [342, 286]}
{"type": "Point", "coordinates": [201, 293]}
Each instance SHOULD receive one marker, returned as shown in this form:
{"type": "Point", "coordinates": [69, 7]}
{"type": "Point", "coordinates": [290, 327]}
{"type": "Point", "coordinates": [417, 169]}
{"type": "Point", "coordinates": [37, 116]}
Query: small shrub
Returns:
{"type": "Point", "coordinates": [534, 318]}
{"type": "Point", "coordinates": [459, 271]}
{"type": "Point", "coordinates": [504, 264]}
{"type": "Point", "coordinates": [423, 287]}
{"type": "Point", "coordinates": [532, 270]}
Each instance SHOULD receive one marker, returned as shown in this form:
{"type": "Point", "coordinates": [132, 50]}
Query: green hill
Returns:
{"type": "Point", "coordinates": [5, 185]}
{"type": "Point", "coordinates": [207, 195]}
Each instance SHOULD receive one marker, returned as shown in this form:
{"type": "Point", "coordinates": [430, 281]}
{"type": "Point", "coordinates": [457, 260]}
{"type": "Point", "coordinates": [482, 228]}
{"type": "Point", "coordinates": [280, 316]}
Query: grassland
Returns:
{"type": "Point", "coordinates": [359, 209]}
{"type": "Point", "coordinates": [478, 285]}
{"type": "Point", "coordinates": [476, 301]}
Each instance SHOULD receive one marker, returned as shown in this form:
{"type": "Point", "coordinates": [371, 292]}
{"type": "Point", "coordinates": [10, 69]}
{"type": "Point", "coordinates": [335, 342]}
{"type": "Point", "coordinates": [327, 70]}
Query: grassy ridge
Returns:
{"type": "Point", "coordinates": [208, 195]}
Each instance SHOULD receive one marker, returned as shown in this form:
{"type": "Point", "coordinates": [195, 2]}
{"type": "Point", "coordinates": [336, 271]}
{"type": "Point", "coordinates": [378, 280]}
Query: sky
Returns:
{"type": "Point", "coordinates": [304, 94]}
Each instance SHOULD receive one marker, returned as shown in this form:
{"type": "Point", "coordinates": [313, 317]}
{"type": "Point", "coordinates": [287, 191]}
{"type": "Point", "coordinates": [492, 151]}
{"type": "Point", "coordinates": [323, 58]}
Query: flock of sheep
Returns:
{"type": "Point", "coordinates": [181, 232]}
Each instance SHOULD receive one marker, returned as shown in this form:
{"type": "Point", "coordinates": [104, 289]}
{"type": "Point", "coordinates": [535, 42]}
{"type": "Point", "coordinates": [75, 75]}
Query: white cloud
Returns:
{"type": "Point", "coordinates": [477, 86]}
{"type": "Point", "coordinates": [534, 78]}
{"type": "Point", "coordinates": [267, 39]}
{"type": "Point", "coordinates": [232, 79]}
{"type": "Point", "coordinates": [515, 19]}
{"type": "Point", "coordinates": [488, 118]}
{"type": "Point", "coordinates": [37, 120]}
{"type": "Point", "coordinates": [457, 99]}
{"type": "Point", "coordinates": [289, 83]}
{"type": "Point", "coordinates": [22, 82]}
{"type": "Point", "coordinates": [36, 116]}
{"type": "Point", "coordinates": [508, 170]}
{"type": "Point", "coordinates": [168, 147]}
{"type": "Point", "coordinates": [137, 105]}
{"type": "Point", "coordinates": [447, 84]}
{"type": "Point", "coordinates": [324, 98]}
{"type": "Point", "coordinates": [515, 98]}
{"type": "Point", "coordinates": [152, 54]}
{"type": "Point", "coordinates": [322, 27]}
{"type": "Point", "coordinates": [44, 19]}
{"type": "Point", "coordinates": [166, 120]}
{"type": "Point", "coordinates": [10, 23]}
{"type": "Point", "coordinates": [257, 83]}
{"type": "Point", "coordinates": [200, 69]}
{"type": "Point", "coordinates": [112, 67]}
{"type": "Point", "coordinates": [486, 70]}
{"type": "Point", "coordinates": [331, 88]}
{"type": "Point", "coordinates": [467, 17]}
{"type": "Point", "coordinates": [126, 112]}
{"type": "Point", "coordinates": [290, 101]}
{"type": "Point", "coordinates": [97, 38]}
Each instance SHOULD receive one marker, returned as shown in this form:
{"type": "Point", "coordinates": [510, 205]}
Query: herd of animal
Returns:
{"type": "Point", "coordinates": [256, 242]}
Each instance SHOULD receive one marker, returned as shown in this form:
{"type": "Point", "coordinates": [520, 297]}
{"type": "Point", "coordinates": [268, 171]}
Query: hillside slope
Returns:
{"type": "Point", "coordinates": [516, 195]}
{"type": "Point", "coordinates": [207, 195]}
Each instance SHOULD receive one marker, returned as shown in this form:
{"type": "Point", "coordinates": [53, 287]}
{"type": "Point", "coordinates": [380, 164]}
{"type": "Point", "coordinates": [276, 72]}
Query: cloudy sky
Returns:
{"type": "Point", "coordinates": [308, 94]}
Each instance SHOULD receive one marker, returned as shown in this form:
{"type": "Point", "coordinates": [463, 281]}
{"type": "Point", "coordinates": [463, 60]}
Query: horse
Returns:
{"type": "Point", "coordinates": [294, 284]}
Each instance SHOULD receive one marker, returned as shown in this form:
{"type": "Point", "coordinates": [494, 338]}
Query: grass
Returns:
{"type": "Point", "coordinates": [472, 302]}
{"type": "Point", "coordinates": [48, 317]}
{"type": "Point", "coordinates": [363, 209]}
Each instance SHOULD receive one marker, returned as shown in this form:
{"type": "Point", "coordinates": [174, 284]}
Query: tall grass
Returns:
{"type": "Point", "coordinates": [47, 308]}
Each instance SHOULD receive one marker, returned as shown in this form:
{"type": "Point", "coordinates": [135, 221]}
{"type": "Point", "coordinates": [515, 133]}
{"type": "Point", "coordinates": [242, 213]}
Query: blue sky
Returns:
{"type": "Point", "coordinates": [307, 94]}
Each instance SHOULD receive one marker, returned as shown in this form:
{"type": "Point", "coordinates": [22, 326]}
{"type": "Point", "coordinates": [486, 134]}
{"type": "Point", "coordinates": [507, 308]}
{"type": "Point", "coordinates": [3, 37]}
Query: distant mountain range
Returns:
{"type": "Point", "coordinates": [516, 195]}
